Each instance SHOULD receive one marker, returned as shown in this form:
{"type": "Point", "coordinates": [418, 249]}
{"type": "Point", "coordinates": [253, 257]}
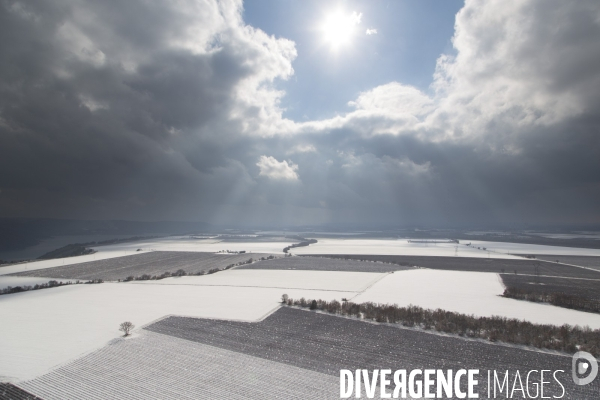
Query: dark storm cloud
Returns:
{"type": "Point", "coordinates": [103, 116]}
{"type": "Point", "coordinates": [144, 110]}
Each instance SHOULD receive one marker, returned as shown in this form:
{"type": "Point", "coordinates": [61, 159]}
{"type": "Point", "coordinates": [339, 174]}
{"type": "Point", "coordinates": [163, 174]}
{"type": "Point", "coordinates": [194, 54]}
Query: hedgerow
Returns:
{"type": "Point", "coordinates": [181, 272]}
{"type": "Point", "coordinates": [50, 284]}
{"type": "Point", "coordinates": [565, 338]}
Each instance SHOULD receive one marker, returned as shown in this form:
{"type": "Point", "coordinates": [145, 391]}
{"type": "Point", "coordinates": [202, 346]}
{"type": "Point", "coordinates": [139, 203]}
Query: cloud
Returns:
{"type": "Point", "coordinates": [157, 110]}
{"type": "Point", "coordinates": [507, 124]}
{"type": "Point", "coordinates": [355, 17]}
{"type": "Point", "coordinates": [519, 63]}
{"type": "Point", "coordinates": [145, 100]}
{"type": "Point", "coordinates": [371, 31]}
{"type": "Point", "coordinates": [302, 148]}
{"type": "Point", "coordinates": [273, 169]}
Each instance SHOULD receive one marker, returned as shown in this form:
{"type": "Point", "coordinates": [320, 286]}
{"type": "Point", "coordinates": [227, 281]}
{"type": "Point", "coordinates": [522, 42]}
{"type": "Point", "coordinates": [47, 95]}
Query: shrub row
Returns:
{"type": "Point", "coordinates": [372, 259]}
{"type": "Point", "coordinates": [301, 244]}
{"type": "Point", "coordinates": [50, 284]}
{"type": "Point", "coordinates": [70, 250]}
{"type": "Point", "coordinates": [181, 272]}
{"type": "Point", "coordinates": [564, 338]}
{"type": "Point", "coordinates": [557, 299]}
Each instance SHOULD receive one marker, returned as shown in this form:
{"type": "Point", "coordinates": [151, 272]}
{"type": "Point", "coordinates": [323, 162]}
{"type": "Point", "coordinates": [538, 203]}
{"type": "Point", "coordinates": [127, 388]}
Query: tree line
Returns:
{"type": "Point", "coordinates": [564, 338]}
{"type": "Point", "coordinates": [301, 244]}
{"type": "Point", "coordinates": [50, 284]}
{"type": "Point", "coordinates": [181, 272]}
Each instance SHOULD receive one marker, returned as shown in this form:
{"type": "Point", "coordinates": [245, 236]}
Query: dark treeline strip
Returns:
{"type": "Point", "coordinates": [70, 250]}
{"type": "Point", "coordinates": [79, 249]}
{"type": "Point", "coordinates": [181, 272]}
{"type": "Point", "coordinates": [557, 299]}
{"type": "Point", "coordinates": [301, 244]}
{"type": "Point", "coordinates": [564, 338]}
{"type": "Point", "coordinates": [50, 284]}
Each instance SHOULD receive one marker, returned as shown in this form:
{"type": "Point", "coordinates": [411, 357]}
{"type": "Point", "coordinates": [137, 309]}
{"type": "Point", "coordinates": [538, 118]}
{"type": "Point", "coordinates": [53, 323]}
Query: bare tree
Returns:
{"type": "Point", "coordinates": [284, 298]}
{"type": "Point", "coordinates": [126, 327]}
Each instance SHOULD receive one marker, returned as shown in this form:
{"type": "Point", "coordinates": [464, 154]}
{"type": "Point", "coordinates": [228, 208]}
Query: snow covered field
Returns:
{"type": "Point", "coordinates": [185, 243]}
{"type": "Point", "coordinates": [521, 248]}
{"type": "Point", "coordinates": [393, 247]}
{"type": "Point", "coordinates": [323, 246]}
{"type": "Point", "coordinates": [155, 366]}
{"type": "Point", "coordinates": [172, 243]}
{"type": "Point", "coordinates": [310, 280]}
{"type": "Point", "coordinates": [45, 328]}
{"type": "Point", "coordinates": [14, 281]}
{"type": "Point", "coordinates": [468, 293]}
{"type": "Point", "coordinates": [56, 262]}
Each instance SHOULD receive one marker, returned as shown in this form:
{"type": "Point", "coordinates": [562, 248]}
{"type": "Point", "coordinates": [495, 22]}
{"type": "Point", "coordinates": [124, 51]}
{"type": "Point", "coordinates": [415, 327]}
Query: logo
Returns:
{"type": "Point", "coordinates": [584, 367]}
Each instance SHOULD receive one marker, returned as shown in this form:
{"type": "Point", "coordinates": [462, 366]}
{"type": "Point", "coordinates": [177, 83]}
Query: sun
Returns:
{"type": "Point", "coordinates": [339, 28]}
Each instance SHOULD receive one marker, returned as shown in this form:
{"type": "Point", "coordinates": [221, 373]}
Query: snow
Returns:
{"type": "Point", "coordinates": [393, 247]}
{"type": "Point", "coordinates": [293, 279]}
{"type": "Point", "coordinates": [213, 245]}
{"type": "Point", "coordinates": [46, 328]}
{"type": "Point", "coordinates": [474, 293]}
{"type": "Point", "coordinates": [13, 281]}
{"type": "Point", "coordinates": [521, 248]}
{"type": "Point", "coordinates": [57, 262]}
{"type": "Point", "coordinates": [172, 243]}
{"type": "Point", "coordinates": [155, 366]}
{"type": "Point", "coordinates": [581, 235]}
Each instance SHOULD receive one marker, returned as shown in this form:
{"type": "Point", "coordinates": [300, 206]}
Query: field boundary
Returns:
{"type": "Point", "coordinates": [549, 276]}
{"type": "Point", "coordinates": [245, 286]}
{"type": "Point", "coordinates": [570, 265]}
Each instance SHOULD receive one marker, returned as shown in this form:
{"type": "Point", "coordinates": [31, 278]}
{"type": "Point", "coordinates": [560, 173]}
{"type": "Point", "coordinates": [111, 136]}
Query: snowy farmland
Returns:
{"type": "Point", "coordinates": [587, 288]}
{"type": "Point", "coordinates": [393, 247]}
{"type": "Point", "coordinates": [522, 248]}
{"type": "Point", "coordinates": [173, 243]}
{"type": "Point", "coordinates": [583, 261]}
{"type": "Point", "coordinates": [13, 281]}
{"type": "Point", "coordinates": [44, 328]}
{"type": "Point", "coordinates": [309, 280]}
{"type": "Point", "coordinates": [324, 264]}
{"type": "Point", "coordinates": [325, 343]}
{"type": "Point", "coordinates": [213, 245]}
{"type": "Point", "coordinates": [523, 266]}
{"type": "Point", "coordinates": [155, 366]}
{"type": "Point", "coordinates": [49, 336]}
{"type": "Point", "coordinates": [474, 293]}
{"type": "Point", "coordinates": [292, 354]}
{"type": "Point", "coordinates": [58, 262]}
{"type": "Point", "coordinates": [151, 263]}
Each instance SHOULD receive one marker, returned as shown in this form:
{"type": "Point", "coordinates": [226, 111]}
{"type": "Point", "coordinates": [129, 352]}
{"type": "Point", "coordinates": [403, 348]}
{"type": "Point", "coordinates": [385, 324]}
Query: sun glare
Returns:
{"type": "Point", "coordinates": [340, 27]}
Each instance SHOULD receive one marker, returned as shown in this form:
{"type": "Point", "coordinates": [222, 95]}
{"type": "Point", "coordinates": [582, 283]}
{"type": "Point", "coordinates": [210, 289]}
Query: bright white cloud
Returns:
{"type": "Point", "coordinates": [518, 63]}
{"type": "Point", "coordinates": [394, 99]}
{"type": "Point", "coordinates": [278, 170]}
{"type": "Point", "coordinates": [302, 148]}
{"type": "Point", "coordinates": [371, 31]}
{"type": "Point", "coordinates": [515, 66]}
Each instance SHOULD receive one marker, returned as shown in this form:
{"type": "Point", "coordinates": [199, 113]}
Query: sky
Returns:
{"type": "Point", "coordinates": [286, 113]}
